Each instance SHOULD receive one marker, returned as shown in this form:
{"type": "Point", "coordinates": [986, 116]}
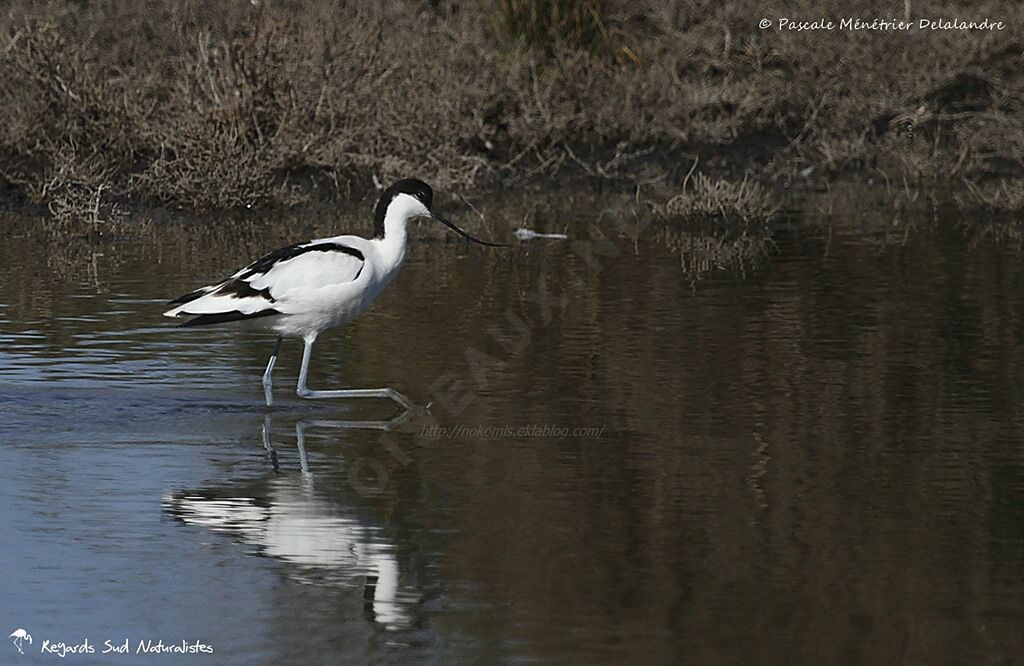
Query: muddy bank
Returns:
{"type": "Point", "coordinates": [111, 105]}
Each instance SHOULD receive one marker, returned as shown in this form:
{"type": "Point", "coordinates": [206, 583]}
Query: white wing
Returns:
{"type": "Point", "coordinates": [290, 273]}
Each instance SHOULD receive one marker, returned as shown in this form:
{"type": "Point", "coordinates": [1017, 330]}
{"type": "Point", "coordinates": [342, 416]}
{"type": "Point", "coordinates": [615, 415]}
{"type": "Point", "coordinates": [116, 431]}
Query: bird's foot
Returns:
{"type": "Point", "coordinates": [389, 393]}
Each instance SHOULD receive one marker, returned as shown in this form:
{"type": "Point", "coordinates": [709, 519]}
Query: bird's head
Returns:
{"type": "Point", "coordinates": [406, 200]}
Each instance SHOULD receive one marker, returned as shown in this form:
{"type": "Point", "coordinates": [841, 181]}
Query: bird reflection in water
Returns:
{"type": "Point", "coordinates": [322, 538]}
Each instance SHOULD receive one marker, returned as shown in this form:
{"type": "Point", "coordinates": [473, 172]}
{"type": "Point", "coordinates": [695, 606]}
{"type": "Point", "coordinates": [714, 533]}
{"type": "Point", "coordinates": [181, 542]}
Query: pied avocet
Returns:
{"type": "Point", "coordinates": [302, 290]}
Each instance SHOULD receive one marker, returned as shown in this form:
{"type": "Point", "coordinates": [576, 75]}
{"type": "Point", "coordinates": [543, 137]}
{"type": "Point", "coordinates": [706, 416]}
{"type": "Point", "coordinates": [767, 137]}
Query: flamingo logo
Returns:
{"type": "Point", "coordinates": [18, 637]}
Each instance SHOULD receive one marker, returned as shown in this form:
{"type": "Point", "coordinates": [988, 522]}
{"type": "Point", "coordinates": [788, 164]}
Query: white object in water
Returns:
{"type": "Point", "coordinates": [527, 234]}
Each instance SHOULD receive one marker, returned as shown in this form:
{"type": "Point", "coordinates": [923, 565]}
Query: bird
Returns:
{"type": "Point", "coordinates": [306, 288]}
{"type": "Point", "coordinates": [20, 636]}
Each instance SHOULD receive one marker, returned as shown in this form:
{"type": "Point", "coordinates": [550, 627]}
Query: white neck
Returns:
{"type": "Point", "coordinates": [402, 209]}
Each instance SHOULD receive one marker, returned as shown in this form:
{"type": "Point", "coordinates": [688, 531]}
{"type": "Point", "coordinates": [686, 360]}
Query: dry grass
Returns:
{"type": "Point", "coordinates": [1003, 196]}
{"type": "Point", "coordinates": [550, 24]}
{"type": "Point", "coordinates": [705, 198]}
{"type": "Point", "coordinates": [278, 102]}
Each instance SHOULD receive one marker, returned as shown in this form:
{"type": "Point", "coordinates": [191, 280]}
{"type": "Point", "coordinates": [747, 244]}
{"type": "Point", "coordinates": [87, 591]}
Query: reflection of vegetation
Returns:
{"type": "Point", "coordinates": [996, 228]}
{"type": "Point", "coordinates": [732, 250]}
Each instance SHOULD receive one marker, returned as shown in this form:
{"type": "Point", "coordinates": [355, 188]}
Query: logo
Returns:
{"type": "Point", "coordinates": [19, 637]}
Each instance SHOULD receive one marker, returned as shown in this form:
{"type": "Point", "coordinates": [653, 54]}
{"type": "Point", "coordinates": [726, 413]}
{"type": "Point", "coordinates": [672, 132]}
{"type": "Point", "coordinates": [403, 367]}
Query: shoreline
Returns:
{"type": "Point", "coordinates": [261, 106]}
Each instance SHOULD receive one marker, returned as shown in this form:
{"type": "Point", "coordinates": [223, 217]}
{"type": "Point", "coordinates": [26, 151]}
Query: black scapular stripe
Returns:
{"type": "Point", "coordinates": [264, 264]}
{"type": "Point", "coordinates": [224, 317]}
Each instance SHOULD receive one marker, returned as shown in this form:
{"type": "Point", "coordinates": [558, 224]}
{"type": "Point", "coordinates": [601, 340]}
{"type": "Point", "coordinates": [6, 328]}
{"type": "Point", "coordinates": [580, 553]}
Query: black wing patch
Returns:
{"type": "Point", "coordinates": [223, 317]}
{"type": "Point", "coordinates": [236, 288]}
{"type": "Point", "coordinates": [264, 264]}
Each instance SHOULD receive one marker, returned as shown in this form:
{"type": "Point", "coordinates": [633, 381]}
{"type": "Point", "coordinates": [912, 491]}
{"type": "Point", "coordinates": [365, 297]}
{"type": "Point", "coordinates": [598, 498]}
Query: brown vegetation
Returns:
{"type": "Point", "coordinates": [277, 102]}
{"type": "Point", "coordinates": [706, 198]}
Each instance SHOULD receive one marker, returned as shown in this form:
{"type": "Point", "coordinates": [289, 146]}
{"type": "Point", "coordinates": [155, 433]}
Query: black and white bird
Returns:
{"type": "Point", "coordinates": [301, 290]}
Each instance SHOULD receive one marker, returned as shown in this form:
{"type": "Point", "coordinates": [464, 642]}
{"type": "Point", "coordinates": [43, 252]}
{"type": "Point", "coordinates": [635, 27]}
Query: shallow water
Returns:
{"type": "Point", "coordinates": [636, 452]}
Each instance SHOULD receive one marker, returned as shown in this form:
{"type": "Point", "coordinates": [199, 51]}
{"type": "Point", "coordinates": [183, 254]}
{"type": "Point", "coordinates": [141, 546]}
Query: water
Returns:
{"type": "Point", "coordinates": [646, 448]}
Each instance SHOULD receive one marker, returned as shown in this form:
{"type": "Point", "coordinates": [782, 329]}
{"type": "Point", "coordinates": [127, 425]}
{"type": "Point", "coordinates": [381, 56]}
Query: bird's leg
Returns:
{"type": "Point", "coordinates": [268, 384]}
{"type": "Point", "coordinates": [268, 445]}
{"type": "Point", "coordinates": [300, 444]}
{"type": "Point", "coordinates": [305, 392]}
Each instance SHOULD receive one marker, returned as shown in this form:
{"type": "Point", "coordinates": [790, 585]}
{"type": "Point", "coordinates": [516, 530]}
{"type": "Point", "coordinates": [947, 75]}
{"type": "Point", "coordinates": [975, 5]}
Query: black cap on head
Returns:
{"type": "Point", "coordinates": [422, 191]}
{"type": "Point", "coordinates": [410, 186]}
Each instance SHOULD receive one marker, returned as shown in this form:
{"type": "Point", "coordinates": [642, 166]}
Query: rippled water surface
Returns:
{"type": "Point", "coordinates": [643, 446]}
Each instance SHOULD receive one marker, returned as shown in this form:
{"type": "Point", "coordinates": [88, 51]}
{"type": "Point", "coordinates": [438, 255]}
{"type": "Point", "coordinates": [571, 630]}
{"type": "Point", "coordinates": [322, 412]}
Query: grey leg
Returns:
{"type": "Point", "coordinates": [268, 445]}
{"type": "Point", "coordinates": [300, 444]}
{"type": "Point", "coordinates": [304, 392]}
{"type": "Point", "coordinates": [268, 384]}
